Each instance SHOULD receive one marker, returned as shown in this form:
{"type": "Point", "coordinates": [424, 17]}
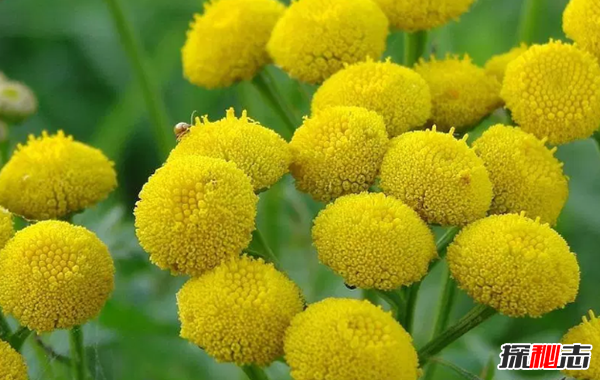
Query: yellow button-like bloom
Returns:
{"type": "Point", "coordinates": [239, 311]}
{"type": "Point", "coordinates": [228, 42]}
{"type": "Point", "coordinates": [553, 91]}
{"type": "Point", "coordinates": [373, 241]}
{"type": "Point", "coordinates": [496, 65]}
{"type": "Point", "coordinates": [7, 229]}
{"type": "Point", "coordinates": [349, 340]}
{"type": "Point", "coordinates": [53, 176]}
{"type": "Point", "coordinates": [55, 276]}
{"type": "Point", "coordinates": [397, 93]}
{"type": "Point", "coordinates": [515, 265]}
{"type": "Point", "coordinates": [413, 15]}
{"type": "Point", "coordinates": [524, 172]}
{"type": "Point", "coordinates": [581, 23]}
{"type": "Point", "coordinates": [195, 212]}
{"type": "Point", "coordinates": [260, 152]}
{"type": "Point", "coordinates": [338, 151]}
{"type": "Point", "coordinates": [438, 176]}
{"type": "Point", "coordinates": [461, 93]}
{"type": "Point", "coordinates": [12, 364]}
{"type": "Point", "coordinates": [587, 332]}
{"type": "Point", "coordinates": [315, 38]}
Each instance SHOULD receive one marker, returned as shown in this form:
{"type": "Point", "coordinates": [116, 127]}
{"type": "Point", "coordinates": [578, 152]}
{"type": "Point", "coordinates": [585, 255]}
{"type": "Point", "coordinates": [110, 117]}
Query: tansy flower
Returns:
{"type": "Point", "coordinates": [7, 229]}
{"type": "Point", "coordinates": [349, 340]}
{"type": "Point", "coordinates": [12, 364]}
{"type": "Point", "coordinates": [461, 92]}
{"type": "Point", "coordinates": [314, 38]}
{"type": "Point", "coordinates": [397, 93]}
{"type": "Point", "coordinates": [413, 15]}
{"type": "Point", "coordinates": [228, 42]}
{"type": "Point", "coordinates": [553, 91]}
{"type": "Point", "coordinates": [338, 151]}
{"type": "Point", "coordinates": [438, 176]}
{"type": "Point", "coordinates": [239, 311]}
{"type": "Point", "coordinates": [261, 153]}
{"type": "Point", "coordinates": [373, 241]}
{"type": "Point", "coordinates": [195, 212]}
{"type": "Point", "coordinates": [54, 276]}
{"type": "Point", "coordinates": [587, 332]}
{"type": "Point", "coordinates": [496, 65]}
{"type": "Point", "coordinates": [581, 23]}
{"type": "Point", "coordinates": [17, 101]}
{"type": "Point", "coordinates": [515, 265]}
{"type": "Point", "coordinates": [525, 174]}
{"type": "Point", "coordinates": [53, 176]}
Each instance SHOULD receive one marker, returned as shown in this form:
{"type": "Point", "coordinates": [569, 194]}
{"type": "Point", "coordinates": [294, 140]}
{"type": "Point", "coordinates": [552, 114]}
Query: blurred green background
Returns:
{"type": "Point", "coordinates": [69, 53]}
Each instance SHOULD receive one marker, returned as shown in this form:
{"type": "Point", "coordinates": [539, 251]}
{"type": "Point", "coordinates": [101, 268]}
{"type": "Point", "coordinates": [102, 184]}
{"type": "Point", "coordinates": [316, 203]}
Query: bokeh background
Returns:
{"type": "Point", "coordinates": [69, 53]}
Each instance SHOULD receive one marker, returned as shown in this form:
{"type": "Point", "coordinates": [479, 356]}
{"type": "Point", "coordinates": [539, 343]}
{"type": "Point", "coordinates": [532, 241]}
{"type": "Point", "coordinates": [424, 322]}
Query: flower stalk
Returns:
{"type": "Point", "coordinates": [254, 373]}
{"type": "Point", "coordinates": [77, 353]}
{"type": "Point", "coordinates": [17, 339]}
{"type": "Point", "coordinates": [415, 45]}
{"type": "Point", "coordinates": [4, 328]}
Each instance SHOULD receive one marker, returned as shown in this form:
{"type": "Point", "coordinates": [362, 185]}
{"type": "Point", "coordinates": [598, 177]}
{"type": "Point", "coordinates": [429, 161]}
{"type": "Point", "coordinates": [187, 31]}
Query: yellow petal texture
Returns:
{"type": "Point", "coordinates": [7, 229]}
{"type": "Point", "coordinates": [55, 276]}
{"type": "Point", "coordinates": [315, 38]}
{"type": "Point", "coordinates": [581, 23]}
{"type": "Point", "coordinates": [524, 172]}
{"type": "Point", "coordinates": [413, 15]}
{"type": "Point", "coordinates": [260, 152]}
{"type": "Point", "coordinates": [397, 93]}
{"type": "Point", "coordinates": [195, 212]}
{"type": "Point", "coordinates": [239, 311]}
{"type": "Point", "coordinates": [515, 265]}
{"type": "Point", "coordinates": [496, 65]}
{"type": "Point", "coordinates": [373, 241]}
{"type": "Point", "coordinates": [437, 175]}
{"type": "Point", "coordinates": [338, 151]}
{"type": "Point", "coordinates": [228, 42]}
{"type": "Point", "coordinates": [553, 91]}
{"type": "Point", "coordinates": [587, 332]}
{"type": "Point", "coordinates": [12, 364]}
{"type": "Point", "coordinates": [462, 93]}
{"type": "Point", "coordinates": [346, 339]}
{"type": "Point", "coordinates": [53, 176]}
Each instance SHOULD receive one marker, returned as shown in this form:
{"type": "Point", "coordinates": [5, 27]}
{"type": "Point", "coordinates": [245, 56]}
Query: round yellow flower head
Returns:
{"type": "Point", "coordinates": [239, 311]}
{"type": "Point", "coordinates": [373, 241]}
{"type": "Point", "coordinates": [413, 15]}
{"type": "Point", "coordinates": [438, 176]}
{"type": "Point", "coordinates": [338, 151]}
{"type": "Point", "coordinates": [581, 23]}
{"type": "Point", "coordinates": [17, 101]}
{"type": "Point", "coordinates": [195, 212]}
{"type": "Point", "coordinates": [228, 42]}
{"type": "Point", "coordinates": [525, 174]}
{"type": "Point", "coordinates": [53, 176]}
{"type": "Point", "coordinates": [397, 93]}
{"type": "Point", "coordinates": [315, 38]}
{"type": "Point", "coordinates": [496, 65]}
{"type": "Point", "coordinates": [260, 152]}
{"type": "Point", "coordinates": [12, 364]}
{"type": "Point", "coordinates": [55, 276]}
{"type": "Point", "coordinates": [553, 91]}
{"type": "Point", "coordinates": [515, 265]}
{"type": "Point", "coordinates": [587, 332]}
{"type": "Point", "coordinates": [7, 229]}
{"type": "Point", "coordinates": [349, 340]}
{"type": "Point", "coordinates": [462, 93]}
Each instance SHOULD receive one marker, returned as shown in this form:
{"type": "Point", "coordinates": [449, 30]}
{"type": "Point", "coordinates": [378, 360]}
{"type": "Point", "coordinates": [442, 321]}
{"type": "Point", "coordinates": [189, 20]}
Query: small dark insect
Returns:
{"type": "Point", "coordinates": [181, 129]}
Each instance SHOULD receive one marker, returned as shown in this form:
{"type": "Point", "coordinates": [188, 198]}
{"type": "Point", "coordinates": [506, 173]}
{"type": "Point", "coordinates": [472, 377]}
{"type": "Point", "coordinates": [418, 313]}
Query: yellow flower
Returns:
{"type": "Point", "coordinates": [553, 91]}
{"type": "Point", "coordinates": [55, 276]}
{"type": "Point", "coordinates": [438, 176]}
{"type": "Point", "coordinates": [373, 241]}
{"type": "Point", "coordinates": [581, 23]}
{"type": "Point", "coordinates": [515, 265]}
{"type": "Point", "coordinates": [239, 311]}
{"type": "Point", "coordinates": [195, 212]}
{"type": "Point", "coordinates": [17, 101]}
{"type": "Point", "coordinates": [315, 38]}
{"type": "Point", "coordinates": [587, 332]}
{"type": "Point", "coordinates": [228, 42]}
{"type": "Point", "coordinates": [496, 65]}
{"type": "Point", "coordinates": [349, 340]}
{"type": "Point", "coordinates": [462, 93]}
{"type": "Point", "coordinates": [525, 174]}
{"type": "Point", "coordinates": [413, 15]}
{"type": "Point", "coordinates": [338, 151]}
{"type": "Point", "coordinates": [261, 153]}
{"type": "Point", "coordinates": [12, 364]}
{"type": "Point", "coordinates": [397, 93]}
{"type": "Point", "coordinates": [54, 176]}
{"type": "Point", "coordinates": [7, 229]}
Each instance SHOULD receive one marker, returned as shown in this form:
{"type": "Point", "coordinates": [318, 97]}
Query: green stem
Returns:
{"type": "Point", "coordinates": [596, 138]}
{"type": "Point", "coordinates": [414, 47]}
{"type": "Point", "coordinates": [77, 353]}
{"type": "Point", "coordinates": [264, 84]}
{"type": "Point", "coordinates": [464, 373]}
{"type": "Point", "coordinates": [50, 352]}
{"type": "Point", "coordinates": [411, 306]}
{"type": "Point", "coordinates": [150, 89]}
{"type": "Point", "coordinates": [254, 373]}
{"type": "Point", "coordinates": [444, 241]}
{"type": "Point", "coordinates": [265, 250]}
{"type": "Point", "coordinates": [531, 15]}
{"type": "Point", "coordinates": [5, 330]}
{"type": "Point", "coordinates": [396, 301]}
{"type": "Point", "coordinates": [17, 339]}
{"type": "Point", "coordinates": [4, 142]}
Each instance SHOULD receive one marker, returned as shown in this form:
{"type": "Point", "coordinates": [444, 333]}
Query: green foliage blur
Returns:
{"type": "Point", "coordinates": [69, 53]}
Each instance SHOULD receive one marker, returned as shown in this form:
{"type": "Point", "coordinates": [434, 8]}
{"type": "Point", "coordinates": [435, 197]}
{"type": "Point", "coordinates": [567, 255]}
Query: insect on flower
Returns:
{"type": "Point", "coordinates": [182, 128]}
